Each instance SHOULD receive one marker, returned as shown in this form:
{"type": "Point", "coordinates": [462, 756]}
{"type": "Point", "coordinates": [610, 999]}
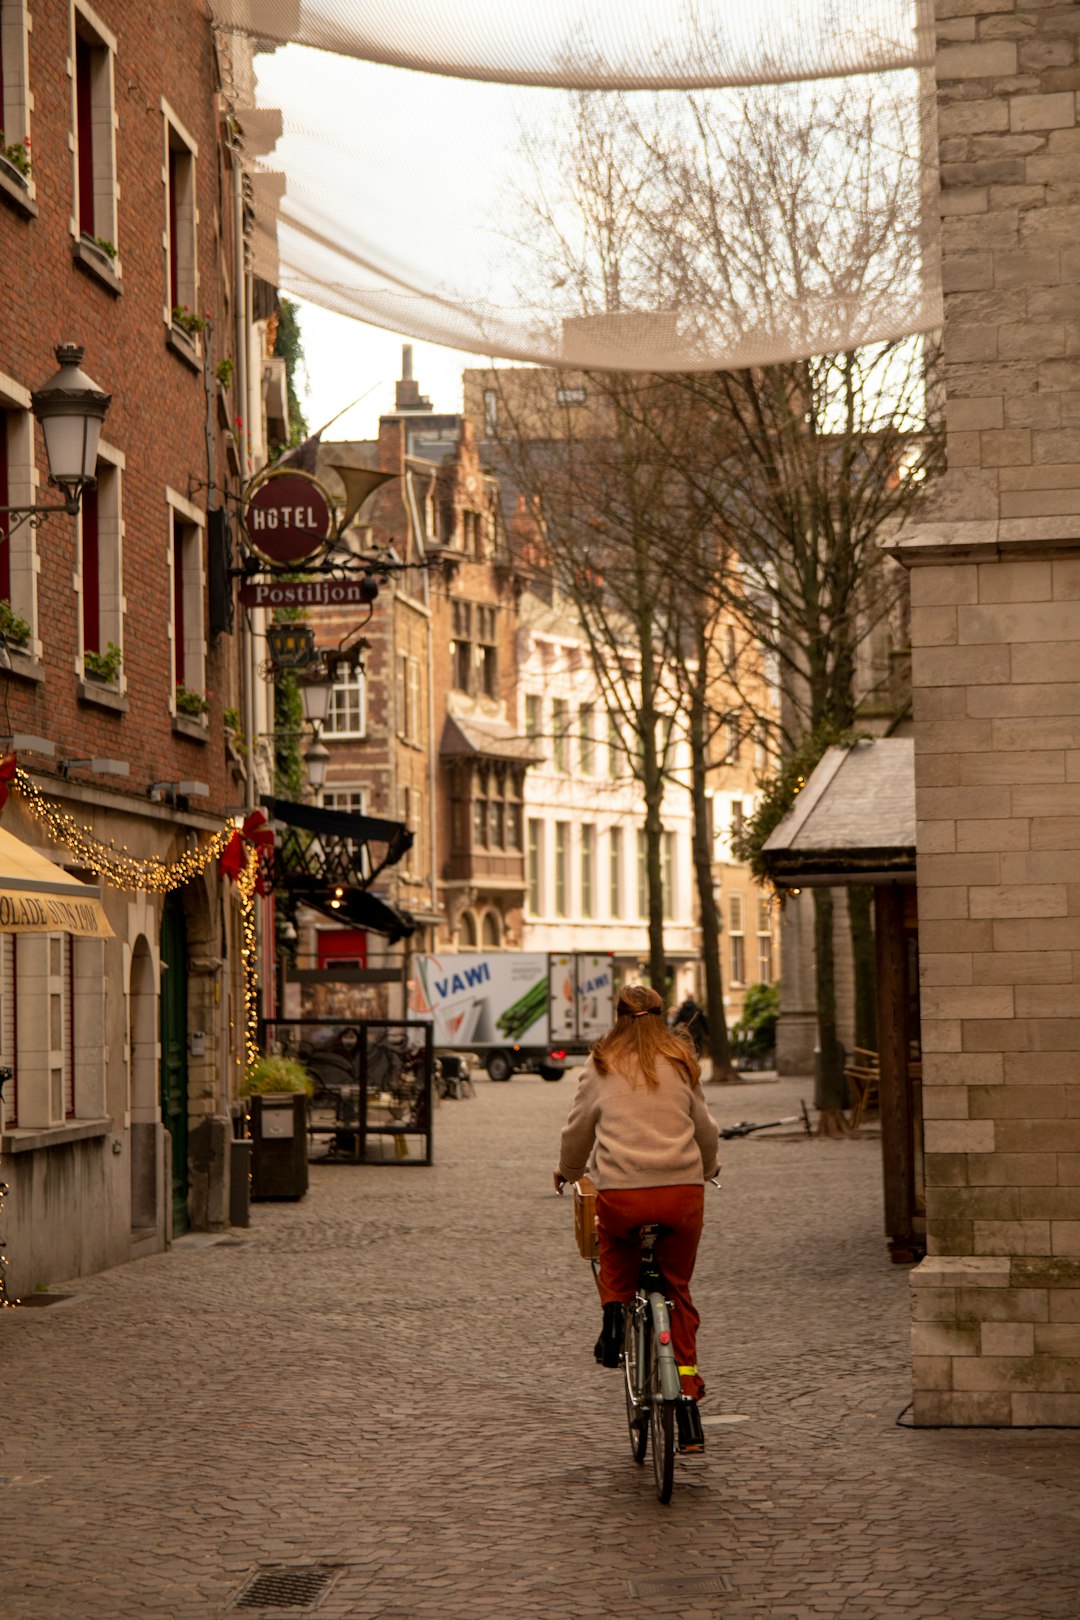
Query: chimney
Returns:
{"type": "Point", "coordinates": [407, 395]}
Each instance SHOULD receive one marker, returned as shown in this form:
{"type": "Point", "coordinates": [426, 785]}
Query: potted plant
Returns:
{"type": "Point", "coordinates": [190, 702]}
{"type": "Point", "coordinates": [102, 245]}
{"type": "Point", "coordinates": [16, 155]}
{"type": "Point", "coordinates": [278, 1089]}
{"type": "Point", "coordinates": [187, 321]}
{"type": "Point", "coordinates": [235, 739]}
{"type": "Point", "coordinates": [14, 629]}
{"type": "Point", "coordinates": [103, 666]}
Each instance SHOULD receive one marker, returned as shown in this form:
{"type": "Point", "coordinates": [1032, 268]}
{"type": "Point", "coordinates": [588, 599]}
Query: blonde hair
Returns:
{"type": "Point", "coordinates": [640, 1036]}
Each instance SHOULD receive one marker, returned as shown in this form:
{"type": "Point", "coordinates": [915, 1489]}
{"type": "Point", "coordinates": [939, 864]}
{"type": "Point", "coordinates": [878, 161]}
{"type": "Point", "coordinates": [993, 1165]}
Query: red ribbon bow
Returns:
{"type": "Point", "coordinates": [8, 766]}
{"type": "Point", "coordinates": [257, 834]}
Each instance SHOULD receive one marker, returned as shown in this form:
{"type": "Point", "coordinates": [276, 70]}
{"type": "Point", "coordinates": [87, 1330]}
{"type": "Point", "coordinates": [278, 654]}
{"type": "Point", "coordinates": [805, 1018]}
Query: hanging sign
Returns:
{"type": "Point", "coordinates": [287, 517]}
{"type": "Point", "coordinates": [272, 593]}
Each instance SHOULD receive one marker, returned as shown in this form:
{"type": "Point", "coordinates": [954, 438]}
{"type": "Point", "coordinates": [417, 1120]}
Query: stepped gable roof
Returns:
{"type": "Point", "coordinates": [853, 822]}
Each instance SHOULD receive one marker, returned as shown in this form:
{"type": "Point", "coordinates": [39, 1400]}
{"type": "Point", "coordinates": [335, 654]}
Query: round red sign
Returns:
{"type": "Point", "coordinates": [287, 517]}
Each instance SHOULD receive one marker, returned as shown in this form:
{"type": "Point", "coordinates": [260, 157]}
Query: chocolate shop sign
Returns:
{"type": "Point", "coordinates": [287, 517]}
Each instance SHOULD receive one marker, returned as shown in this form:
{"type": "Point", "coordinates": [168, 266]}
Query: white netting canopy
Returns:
{"type": "Point", "coordinates": [620, 184]}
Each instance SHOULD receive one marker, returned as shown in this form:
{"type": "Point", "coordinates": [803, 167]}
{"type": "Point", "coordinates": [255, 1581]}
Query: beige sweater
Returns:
{"type": "Point", "coordinates": [630, 1136]}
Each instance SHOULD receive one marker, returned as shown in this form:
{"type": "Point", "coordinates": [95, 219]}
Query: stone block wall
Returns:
{"type": "Point", "coordinates": [996, 679]}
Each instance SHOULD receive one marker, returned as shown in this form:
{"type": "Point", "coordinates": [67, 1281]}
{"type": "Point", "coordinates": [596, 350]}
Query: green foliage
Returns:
{"type": "Point", "coordinates": [14, 629]}
{"type": "Point", "coordinates": [223, 371]}
{"type": "Point", "coordinates": [755, 1033]}
{"type": "Point", "coordinates": [778, 793]}
{"type": "Point", "coordinates": [275, 1074]}
{"type": "Point", "coordinates": [190, 702]}
{"type": "Point", "coordinates": [103, 666]}
{"type": "Point", "coordinates": [17, 154]}
{"type": "Point", "coordinates": [289, 344]}
{"type": "Point", "coordinates": [103, 245]}
{"type": "Point", "coordinates": [289, 775]}
{"type": "Point", "coordinates": [187, 320]}
{"type": "Point", "coordinates": [234, 726]}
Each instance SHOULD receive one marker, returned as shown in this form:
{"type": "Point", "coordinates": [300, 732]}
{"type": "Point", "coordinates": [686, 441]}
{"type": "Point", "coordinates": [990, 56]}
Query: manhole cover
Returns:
{"type": "Point", "coordinates": [296, 1587]}
{"type": "Point", "coordinates": [680, 1586]}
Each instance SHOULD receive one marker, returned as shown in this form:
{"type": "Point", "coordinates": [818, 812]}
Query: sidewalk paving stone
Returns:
{"type": "Point", "coordinates": [394, 1376]}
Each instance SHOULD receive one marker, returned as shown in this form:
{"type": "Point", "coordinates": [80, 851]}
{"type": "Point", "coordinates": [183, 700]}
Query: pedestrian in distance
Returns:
{"type": "Point", "coordinates": [691, 1018]}
{"type": "Point", "coordinates": [640, 1126]}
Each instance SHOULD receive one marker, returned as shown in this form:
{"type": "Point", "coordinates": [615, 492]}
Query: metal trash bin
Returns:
{"type": "Point", "coordinates": [279, 1150]}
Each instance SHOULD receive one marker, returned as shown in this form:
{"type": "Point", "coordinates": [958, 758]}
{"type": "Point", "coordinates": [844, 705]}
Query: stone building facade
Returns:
{"type": "Point", "coordinates": [995, 591]}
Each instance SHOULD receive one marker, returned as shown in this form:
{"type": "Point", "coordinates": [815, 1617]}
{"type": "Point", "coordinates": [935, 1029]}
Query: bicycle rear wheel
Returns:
{"type": "Point", "coordinates": [662, 1425]}
{"type": "Point", "coordinates": [637, 1419]}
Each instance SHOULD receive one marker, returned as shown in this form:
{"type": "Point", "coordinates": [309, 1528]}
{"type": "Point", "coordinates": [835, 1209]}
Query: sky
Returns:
{"type": "Point", "coordinates": [347, 359]}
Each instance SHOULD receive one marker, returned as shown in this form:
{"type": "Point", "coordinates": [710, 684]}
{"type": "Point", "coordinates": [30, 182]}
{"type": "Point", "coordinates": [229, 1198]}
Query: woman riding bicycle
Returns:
{"type": "Point", "coordinates": [640, 1123]}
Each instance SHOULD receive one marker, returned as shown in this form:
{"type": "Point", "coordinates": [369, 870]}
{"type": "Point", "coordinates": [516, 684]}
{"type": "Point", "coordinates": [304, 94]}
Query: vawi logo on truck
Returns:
{"type": "Point", "coordinates": [457, 983]}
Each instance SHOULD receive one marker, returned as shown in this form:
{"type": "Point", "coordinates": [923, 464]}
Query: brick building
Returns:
{"type": "Point", "coordinates": [118, 233]}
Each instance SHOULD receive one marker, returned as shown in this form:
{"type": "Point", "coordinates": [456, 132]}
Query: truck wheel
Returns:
{"type": "Point", "coordinates": [499, 1066]}
{"type": "Point", "coordinates": [551, 1071]}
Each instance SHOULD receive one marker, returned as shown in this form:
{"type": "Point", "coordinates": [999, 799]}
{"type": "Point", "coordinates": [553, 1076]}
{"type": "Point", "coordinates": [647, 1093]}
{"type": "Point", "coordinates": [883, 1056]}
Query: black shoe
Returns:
{"type": "Point", "coordinates": [608, 1347]}
{"type": "Point", "coordinates": [688, 1422]}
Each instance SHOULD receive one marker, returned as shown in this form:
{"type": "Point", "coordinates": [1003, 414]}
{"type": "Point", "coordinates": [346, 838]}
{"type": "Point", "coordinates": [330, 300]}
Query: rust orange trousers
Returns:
{"type": "Point", "coordinates": [678, 1212]}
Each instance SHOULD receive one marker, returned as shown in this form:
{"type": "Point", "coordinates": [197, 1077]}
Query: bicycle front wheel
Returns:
{"type": "Point", "coordinates": [662, 1425]}
{"type": "Point", "coordinates": [637, 1419]}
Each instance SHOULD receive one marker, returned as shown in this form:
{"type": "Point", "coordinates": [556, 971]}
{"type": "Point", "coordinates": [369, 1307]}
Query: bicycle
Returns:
{"type": "Point", "coordinates": [656, 1407]}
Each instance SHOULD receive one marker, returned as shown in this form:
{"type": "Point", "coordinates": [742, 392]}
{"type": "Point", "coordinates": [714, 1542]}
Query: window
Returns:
{"type": "Point", "coordinates": [534, 714]}
{"type": "Point", "coordinates": [186, 565]}
{"type": "Point", "coordinates": [491, 413]}
{"type": "Point", "coordinates": [347, 714]}
{"type": "Point", "coordinates": [457, 812]}
{"type": "Point", "coordinates": [487, 660]}
{"type": "Point", "coordinates": [735, 936]}
{"type": "Point", "coordinates": [729, 647]}
{"type": "Point", "coordinates": [585, 738]}
{"type": "Point", "coordinates": [737, 817]}
{"type": "Point", "coordinates": [732, 735]}
{"type": "Point", "coordinates": [18, 487]}
{"type": "Point", "coordinates": [412, 800]}
{"type": "Point", "coordinates": [351, 799]}
{"type": "Point", "coordinates": [461, 646]}
{"type": "Point", "coordinates": [615, 749]}
{"type": "Point", "coordinates": [470, 531]}
{"type": "Point", "coordinates": [100, 563]}
{"type": "Point", "coordinates": [761, 747]}
{"type": "Point", "coordinates": [562, 868]}
{"type": "Point", "coordinates": [182, 277]}
{"type": "Point", "coordinates": [559, 726]}
{"type": "Point", "coordinates": [60, 988]}
{"type": "Point", "coordinates": [480, 823]}
{"type": "Point", "coordinates": [588, 869]}
{"type": "Point", "coordinates": [15, 99]}
{"type": "Point", "coordinates": [491, 933]}
{"type": "Point", "coordinates": [764, 925]}
{"type": "Point", "coordinates": [496, 823]}
{"type": "Point", "coordinates": [615, 872]}
{"type": "Point", "coordinates": [95, 135]}
{"type": "Point", "coordinates": [642, 873]}
{"type": "Point", "coordinates": [535, 866]}
{"type": "Point", "coordinates": [667, 872]}
{"type": "Point", "coordinates": [513, 826]}
{"type": "Point", "coordinates": [408, 698]}
{"type": "Point", "coordinates": [569, 396]}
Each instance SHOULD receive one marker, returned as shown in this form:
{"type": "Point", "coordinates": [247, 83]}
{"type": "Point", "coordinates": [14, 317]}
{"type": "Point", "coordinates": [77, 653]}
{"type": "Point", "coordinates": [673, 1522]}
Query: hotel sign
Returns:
{"type": "Point", "coordinates": [287, 517]}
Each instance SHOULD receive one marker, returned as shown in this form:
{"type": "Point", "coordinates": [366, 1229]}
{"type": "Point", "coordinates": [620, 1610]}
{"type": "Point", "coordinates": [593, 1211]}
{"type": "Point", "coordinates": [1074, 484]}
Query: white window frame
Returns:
{"type": "Point", "coordinates": [353, 790]}
{"type": "Point", "coordinates": [563, 870]}
{"type": "Point", "coordinates": [17, 102]}
{"type": "Point", "coordinates": [85, 22]}
{"type": "Point", "coordinates": [194, 588]}
{"type": "Point", "coordinates": [534, 881]}
{"type": "Point", "coordinates": [112, 604]}
{"type": "Point", "coordinates": [178, 139]}
{"type": "Point", "coordinates": [43, 989]}
{"type": "Point", "coordinates": [352, 683]}
{"type": "Point", "coordinates": [23, 487]}
{"type": "Point", "coordinates": [736, 931]}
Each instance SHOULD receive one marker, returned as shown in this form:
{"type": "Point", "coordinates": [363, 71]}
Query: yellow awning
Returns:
{"type": "Point", "coordinates": [39, 897]}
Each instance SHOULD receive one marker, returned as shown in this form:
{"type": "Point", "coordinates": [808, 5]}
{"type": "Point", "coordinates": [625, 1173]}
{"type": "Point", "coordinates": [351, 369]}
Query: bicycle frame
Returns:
{"type": "Point", "coordinates": [652, 1319]}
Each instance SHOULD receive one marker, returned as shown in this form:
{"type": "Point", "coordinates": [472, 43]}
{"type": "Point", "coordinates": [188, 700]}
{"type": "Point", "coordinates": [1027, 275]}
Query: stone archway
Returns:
{"type": "Point", "coordinates": [491, 931]}
{"type": "Point", "coordinates": [143, 1110]}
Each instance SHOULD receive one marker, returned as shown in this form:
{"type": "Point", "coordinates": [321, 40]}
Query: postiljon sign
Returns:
{"type": "Point", "coordinates": [287, 517]}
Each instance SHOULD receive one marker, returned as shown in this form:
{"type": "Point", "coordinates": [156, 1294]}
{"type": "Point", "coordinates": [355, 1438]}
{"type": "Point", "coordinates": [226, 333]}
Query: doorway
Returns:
{"type": "Point", "coordinates": [174, 1076]}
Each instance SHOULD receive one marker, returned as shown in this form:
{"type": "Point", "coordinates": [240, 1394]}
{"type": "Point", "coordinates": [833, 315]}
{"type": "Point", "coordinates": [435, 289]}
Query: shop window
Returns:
{"type": "Point", "coordinates": [59, 989]}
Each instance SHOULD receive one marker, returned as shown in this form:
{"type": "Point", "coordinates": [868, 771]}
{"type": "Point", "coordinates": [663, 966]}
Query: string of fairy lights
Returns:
{"type": "Point", "coordinates": [120, 869]}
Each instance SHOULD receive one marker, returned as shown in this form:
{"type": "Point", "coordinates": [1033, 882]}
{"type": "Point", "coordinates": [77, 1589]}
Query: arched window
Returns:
{"type": "Point", "coordinates": [492, 929]}
{"type": "Point", "coordinates": [467, 930]}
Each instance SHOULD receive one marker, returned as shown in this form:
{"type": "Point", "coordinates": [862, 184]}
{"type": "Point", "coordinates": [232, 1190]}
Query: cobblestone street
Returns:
{"type": "Point", "coordinates": [394, 1378]}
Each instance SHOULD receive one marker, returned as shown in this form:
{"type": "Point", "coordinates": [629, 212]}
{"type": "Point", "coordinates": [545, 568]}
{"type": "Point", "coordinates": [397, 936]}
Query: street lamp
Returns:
{"type": "Point", "coordinates": [71, 409]}
{"type": "Point", "coordinates": [316, 758]}
{"type": "Point", "coordinates": [315, 694]}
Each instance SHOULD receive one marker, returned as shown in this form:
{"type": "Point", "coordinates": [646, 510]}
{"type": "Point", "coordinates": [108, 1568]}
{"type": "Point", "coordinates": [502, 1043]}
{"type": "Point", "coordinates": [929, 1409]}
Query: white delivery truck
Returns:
{"type": "Point", "coordinates": [515, 1009]}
